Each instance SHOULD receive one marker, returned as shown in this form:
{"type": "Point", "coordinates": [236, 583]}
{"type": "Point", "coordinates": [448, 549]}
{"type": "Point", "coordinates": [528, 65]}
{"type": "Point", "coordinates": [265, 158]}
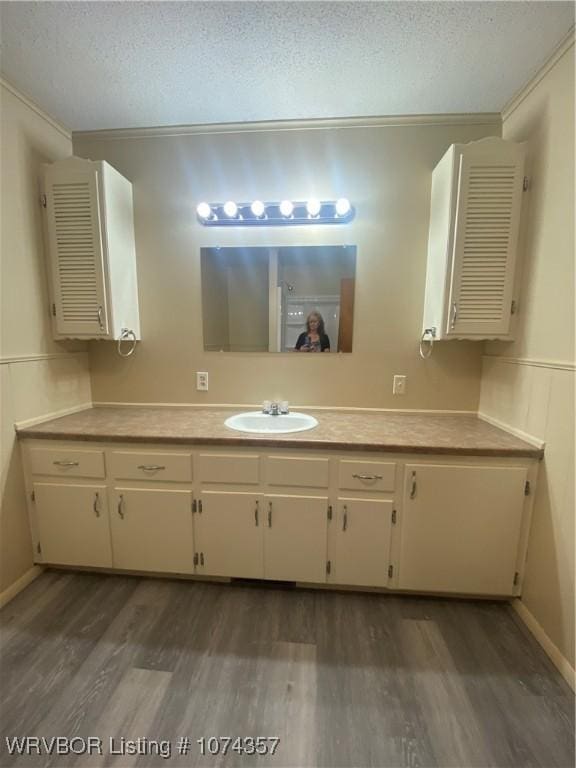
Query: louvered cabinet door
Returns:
{"type": "Point", "coordinates": [485, 238]}
{"type": "Point", "coordinates": [76, 252]}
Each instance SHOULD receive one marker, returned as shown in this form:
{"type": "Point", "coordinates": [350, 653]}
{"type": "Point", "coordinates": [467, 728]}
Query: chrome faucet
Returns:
{"type": "Point", "coordinates": [274, 408]}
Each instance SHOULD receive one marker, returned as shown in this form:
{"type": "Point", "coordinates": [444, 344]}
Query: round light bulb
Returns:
{"type": "Point", "coordinates": [258, 208]}
{"type": "Point", "coordinates": [286, 208]}
{"type": "Point", "coordinates": [313, 207]}
{"type": "Point", "coordinates": [203, 210]}
{"type": "Point", "coordinates": [231, 209]}
{"type": "Point", "coordinates": [343, 206]}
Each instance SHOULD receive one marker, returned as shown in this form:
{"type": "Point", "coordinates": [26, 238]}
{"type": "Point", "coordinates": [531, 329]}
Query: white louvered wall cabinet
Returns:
{"type": "Point", "coordinates": [91, 252]}
{"type": "Point", "coordinates": [474, 220]}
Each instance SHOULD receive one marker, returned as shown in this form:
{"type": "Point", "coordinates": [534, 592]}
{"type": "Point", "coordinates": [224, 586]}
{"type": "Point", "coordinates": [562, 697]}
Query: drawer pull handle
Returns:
{"type": "Point", "coordinates": [269, 514]}
{"type": "Point", "coordinates": [150, 467]}
{"type": "Point", "coordinates": [413, 486]}
{"type": "Point", "coordinates": [66, 463]}
{"type": "Point", "coordinates": [121, 507]}
{"type": "Point", "coordinates": [256, 513]}
{"type": "Point", "coordinates": [368, 477]}
{"type": "Point", "coordinates": [345, 518]}
{"type": "Point", "coordinates": [96, 505]}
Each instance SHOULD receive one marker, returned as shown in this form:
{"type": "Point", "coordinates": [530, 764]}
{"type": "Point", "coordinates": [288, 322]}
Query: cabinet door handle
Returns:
{"type": "Point", "coordinates": [121, 507]}
{"type": "Point", "coordinates": [96, 505]}
{"type": "Point", "coordinates": [269, 514]}
{"type": "Point", "coordinates": [150, 467]}
{"type": "Point", "coordinates": [454, 315]}
{"type": "Point", "coordinates": [345, 518]}
{"type": "Point", "coordinates": [66, 463]}
{"type": "Point", "coordinates": [413, 486]}
{"type": "Point", "coordinates": [368, 477]}
{"type": "Point", "coordinates": [100, 320]}
{"type": "Point", "coordinates": [256, 513]}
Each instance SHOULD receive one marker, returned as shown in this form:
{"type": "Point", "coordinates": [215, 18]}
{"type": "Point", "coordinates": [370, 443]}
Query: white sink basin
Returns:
{"type": "Point", "coordinates": [264, 423]}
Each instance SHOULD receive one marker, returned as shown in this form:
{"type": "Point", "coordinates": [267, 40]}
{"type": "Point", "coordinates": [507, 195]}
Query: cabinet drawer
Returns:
{"type": "Point", "coordinates": [229, 468]}
{"type": "Point", "coordinates": [290, 470]}
{"type": "Point", "coordinates": [140, 465]}
{"type": "Point", "coordinates": [66, 462]}
{"type": "Point", "coordinates": [367, 475]}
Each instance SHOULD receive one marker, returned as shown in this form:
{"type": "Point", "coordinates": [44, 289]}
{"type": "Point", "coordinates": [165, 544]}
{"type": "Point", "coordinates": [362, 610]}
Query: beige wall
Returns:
{"type": "Point", "coordinates": [385, 170]}
{"type": "Point", "coordinates": [529, 384]}
{"type": "Point", "coordinates": [37, 375]}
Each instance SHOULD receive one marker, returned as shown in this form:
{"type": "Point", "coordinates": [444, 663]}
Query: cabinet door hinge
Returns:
{"type": "Point", "coordinates": [513, 307]}
{"type": "Point", "coordinates": [328, 566]}
{"type": "Point", "coordinates": [201, 558]}
{"type": "Point", "coordinates": [54, 310]}
{"type": "Point", "coordinates": [393, 517]}
{"type": "Point", "coordinates": [527, 488]}
{"type": "Point", "coordinates": [39, 548]}
{"type": "Point", "coordinates": [329, 511]}
{"type": "Point", "coordinates": [196, 558]}
{"type": "Point", "coordinates": [516, 578]}
{"type": "Point", "coordinates": [43, 201]}
{"type": "Point", "coordinates": [194, 506]}
{"type": "Point", "coordinates": [33, 496]}
{"type": "Point", "coordinates": [390, 571]}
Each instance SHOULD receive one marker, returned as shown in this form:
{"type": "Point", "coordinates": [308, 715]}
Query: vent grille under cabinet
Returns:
{"type": "Point", "coordinates": [482, 294]}
{"type": "Point", "coordinates": [77, 251]}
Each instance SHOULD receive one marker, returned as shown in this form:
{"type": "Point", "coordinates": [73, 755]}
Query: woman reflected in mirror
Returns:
{"type": "Point", "coordinates": [314, 338]}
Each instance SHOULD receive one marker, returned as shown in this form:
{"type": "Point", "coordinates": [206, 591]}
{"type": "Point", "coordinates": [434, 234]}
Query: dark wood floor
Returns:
{"type": "Point", "coordinates": [342, 679]}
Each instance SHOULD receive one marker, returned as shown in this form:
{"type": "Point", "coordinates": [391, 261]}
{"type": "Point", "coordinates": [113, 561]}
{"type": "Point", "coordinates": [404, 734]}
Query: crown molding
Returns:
{"type": "Point", "coordinates": [481, 118]}
{"type": "Point", "coordinates": [35, 108]}
{"type": "Point", "coordinates": [564, 46]}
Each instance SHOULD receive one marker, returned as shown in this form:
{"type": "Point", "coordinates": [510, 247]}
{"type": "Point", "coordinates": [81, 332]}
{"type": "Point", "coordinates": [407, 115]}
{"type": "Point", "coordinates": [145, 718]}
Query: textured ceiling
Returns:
{"type": "Point", "coordinates": [98, 65]}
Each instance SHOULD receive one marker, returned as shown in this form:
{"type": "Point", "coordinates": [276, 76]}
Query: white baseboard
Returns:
{"type": "Point", "coordinates": [513, 430]}
{"type": "Point", "coordinates": [559, 661]}
{"type": "Point", "coordinates": [20, 584]}
{"type": "Point", "coordinates": [54, 415]}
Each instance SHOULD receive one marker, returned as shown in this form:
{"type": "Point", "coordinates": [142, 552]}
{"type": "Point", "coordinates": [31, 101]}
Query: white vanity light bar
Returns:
{"type": "Point", "coordinates": [269, 214]}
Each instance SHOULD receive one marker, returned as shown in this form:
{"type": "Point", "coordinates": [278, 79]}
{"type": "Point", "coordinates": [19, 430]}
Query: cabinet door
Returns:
{"type": "Point", "coordinates": [461, 528]}
{"type": "Point", "coordinates": [76, 248]}
{"type": "Point", "coordinates": [486, 233]}
{"type": "Point", "coordinates": [73, 524]}
{"type": "Point", "coordinates": [362, 542]}
{"type": "Point", "coordinates": [295, 538]}
{"type": "Point", "coordinates": [228, 530]}
{"type": "Point", "coordinates": [152, 530]}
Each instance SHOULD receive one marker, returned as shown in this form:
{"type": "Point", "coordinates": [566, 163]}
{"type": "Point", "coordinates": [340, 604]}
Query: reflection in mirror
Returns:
{"type": "Point", "coordinates": [267, 299]}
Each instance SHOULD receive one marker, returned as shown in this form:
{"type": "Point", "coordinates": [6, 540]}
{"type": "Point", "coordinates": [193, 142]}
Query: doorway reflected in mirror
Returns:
{"type": "Point", "coordinates": [257, 299]}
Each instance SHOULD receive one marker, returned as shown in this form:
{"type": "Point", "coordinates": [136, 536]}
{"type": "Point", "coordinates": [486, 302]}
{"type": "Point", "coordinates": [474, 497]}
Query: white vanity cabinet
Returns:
{"type": "Point", "coordinates": [278, 532]}
{"type": "Point", "coordinates": [461, 528]}
{"type": "Point", "coordinates": [152, 530]}
{"type": "Point", "coordinates": [361, 550]}
{"type": "Point", "coordinates": [229, 534]}
{"type": "Point", "coordinates": [416, 523]}
{"type": "Point", "coordinates": [295, 538]}
{"type": "Point", "coordinates": [72, 524]}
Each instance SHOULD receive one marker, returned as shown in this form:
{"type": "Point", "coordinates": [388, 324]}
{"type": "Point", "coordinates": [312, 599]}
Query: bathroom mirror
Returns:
{"type": "Point", "coordinates": [258, 299]}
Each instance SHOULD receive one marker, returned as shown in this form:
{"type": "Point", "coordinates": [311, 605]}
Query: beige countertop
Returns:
{"type": "Point", "coordinates": [337, 430]}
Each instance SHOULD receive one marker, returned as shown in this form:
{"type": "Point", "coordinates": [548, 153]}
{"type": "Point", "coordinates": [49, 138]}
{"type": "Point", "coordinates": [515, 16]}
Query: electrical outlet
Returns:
{"type": "Point", "coordinates": [202, 381]}
{"type": "Point", "coordinates": [399, 386]}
